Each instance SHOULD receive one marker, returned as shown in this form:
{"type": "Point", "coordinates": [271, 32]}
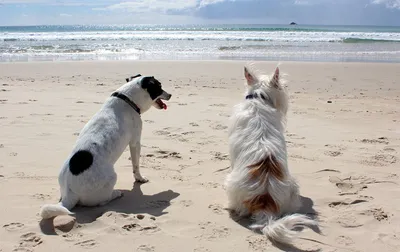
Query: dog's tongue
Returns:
{"type": "Point", "coordinates": [164, 106]}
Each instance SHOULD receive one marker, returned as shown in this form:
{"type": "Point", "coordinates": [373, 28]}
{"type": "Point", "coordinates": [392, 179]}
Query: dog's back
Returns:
{"type": "Point", "coordinates": [260, 184]}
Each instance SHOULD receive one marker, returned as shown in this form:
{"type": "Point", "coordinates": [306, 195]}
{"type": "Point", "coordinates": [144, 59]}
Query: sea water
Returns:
{"type": "Point", "coordinates": [200, 42]}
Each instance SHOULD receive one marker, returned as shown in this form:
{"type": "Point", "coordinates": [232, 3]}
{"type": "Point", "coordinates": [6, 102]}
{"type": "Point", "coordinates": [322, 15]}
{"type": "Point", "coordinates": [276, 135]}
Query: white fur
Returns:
{"type": "Point", "coordinates": [122, 126]}
{"type": "Point", "coordinates": [256, 131]}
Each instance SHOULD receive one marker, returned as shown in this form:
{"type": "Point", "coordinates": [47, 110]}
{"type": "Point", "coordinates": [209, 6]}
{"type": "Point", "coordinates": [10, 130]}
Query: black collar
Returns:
{"type": "Point", "coordinates": [263, 97]}
{"type": "Point", "coordinates": [126, 99]}
{"type": "Point", "coordinates": [255, 96]}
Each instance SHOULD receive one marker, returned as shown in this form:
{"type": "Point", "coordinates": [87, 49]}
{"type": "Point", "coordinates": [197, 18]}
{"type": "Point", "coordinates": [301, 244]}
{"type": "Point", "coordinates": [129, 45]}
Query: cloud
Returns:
{"type": "Point", "coordinates": [59, 2]}
{"type": "Point", "coordinates": [65, 15]}
{"type": "Point", "coordinates": [392, 4]}
{"type": "Point", "coordinates": [141, 6]}
{"type": "Point", "coordinates": [302, 2]}
{"type": "Point", "coordinates": [161, 6]}
{"type": "Point", "coordinates": [322, 12]}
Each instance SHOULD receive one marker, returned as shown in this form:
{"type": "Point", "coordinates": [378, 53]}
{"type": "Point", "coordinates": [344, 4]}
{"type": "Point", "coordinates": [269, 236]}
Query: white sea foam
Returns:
{"type": "Point", "coordinates": [333, 44]}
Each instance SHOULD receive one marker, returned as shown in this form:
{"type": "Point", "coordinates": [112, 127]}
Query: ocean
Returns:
{"type": "Point", "coordinates": [200, 42]}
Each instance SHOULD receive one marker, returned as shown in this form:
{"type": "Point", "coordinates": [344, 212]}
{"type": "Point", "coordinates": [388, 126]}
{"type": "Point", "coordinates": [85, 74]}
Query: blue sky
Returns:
{"type": "Point", "coordinates": [333, 12]}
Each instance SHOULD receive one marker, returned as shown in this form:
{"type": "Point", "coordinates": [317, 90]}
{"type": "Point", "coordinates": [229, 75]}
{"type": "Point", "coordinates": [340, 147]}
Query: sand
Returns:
{"type": "Point", "coordinates": [343, 141]}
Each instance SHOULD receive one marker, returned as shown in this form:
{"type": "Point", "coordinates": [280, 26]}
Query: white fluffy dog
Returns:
{"type": "Point", "coordinates": [259, 184]}
{"type": "Point", "coordinates": [87, 176]}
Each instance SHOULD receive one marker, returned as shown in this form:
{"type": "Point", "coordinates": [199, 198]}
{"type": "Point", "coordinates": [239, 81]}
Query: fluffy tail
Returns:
{"type": "Point", "coordinates": [283, 230]}
{"type": "Point", "coordinates": [62, 208]}
{"type": "Point", "coordinates": [52, 210]}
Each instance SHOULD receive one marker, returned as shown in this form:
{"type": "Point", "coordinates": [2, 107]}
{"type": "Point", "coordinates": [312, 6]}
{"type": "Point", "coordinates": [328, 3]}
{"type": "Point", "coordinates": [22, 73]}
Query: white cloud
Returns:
{"type": "Point", "coordinates": [392, 4]}
{"type": "Point", "coordinates": [65, 15]}
{"type": "Point", "coordinates": [302, 2]}
{"type": "Point", "coordinates": [161, 6]}
{"type": "Point", "coordinates": [150, 6]}
{"type": "Point", "coordinates": [60, 2]}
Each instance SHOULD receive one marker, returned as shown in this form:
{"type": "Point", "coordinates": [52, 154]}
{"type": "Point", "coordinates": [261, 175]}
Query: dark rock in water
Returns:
{"type": "Point", "coordinates": [293, 23]}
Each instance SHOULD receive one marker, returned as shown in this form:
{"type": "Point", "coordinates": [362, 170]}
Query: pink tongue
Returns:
{"type": "Point", "coordinates": [164, 106]}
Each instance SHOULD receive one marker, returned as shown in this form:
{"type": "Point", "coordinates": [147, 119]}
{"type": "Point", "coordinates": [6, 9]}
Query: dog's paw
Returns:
{"type": "Point", "coordinates": [141, 179]}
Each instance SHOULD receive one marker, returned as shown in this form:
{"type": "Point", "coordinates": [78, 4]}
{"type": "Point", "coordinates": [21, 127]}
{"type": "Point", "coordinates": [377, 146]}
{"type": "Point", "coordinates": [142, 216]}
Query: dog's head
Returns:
{"type": "Point", "coordinates": [269, 90]}
{"type": "Point", "coordinates": [146, 91]}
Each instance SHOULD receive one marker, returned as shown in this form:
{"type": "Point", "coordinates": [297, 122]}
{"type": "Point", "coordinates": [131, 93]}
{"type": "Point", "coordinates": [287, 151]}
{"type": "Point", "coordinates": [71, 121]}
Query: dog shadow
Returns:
{"type": "Point", "coordinates": [132, 202]}
{"type": "Point", "coordinates": [306, 208]}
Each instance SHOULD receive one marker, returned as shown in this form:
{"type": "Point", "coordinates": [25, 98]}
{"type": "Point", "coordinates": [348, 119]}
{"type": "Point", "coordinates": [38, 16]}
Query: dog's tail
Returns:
{"type": "Point", "coordinates": [62, 208]}
{"type": "Point", "coordinates": [283, 230]}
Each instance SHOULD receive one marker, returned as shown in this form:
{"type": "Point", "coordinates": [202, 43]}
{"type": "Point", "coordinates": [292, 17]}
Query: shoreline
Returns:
{"type": "Point", "coordinates": [224, 59]}
{"type": "Point", "coordinates": [193, 61]}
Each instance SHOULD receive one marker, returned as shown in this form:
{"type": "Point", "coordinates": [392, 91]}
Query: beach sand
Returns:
{"type": "Point", "coordinates": [343, 140]}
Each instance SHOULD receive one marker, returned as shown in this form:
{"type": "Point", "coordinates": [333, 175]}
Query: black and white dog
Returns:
{"type": "Point", "coordinates": [87, 177]}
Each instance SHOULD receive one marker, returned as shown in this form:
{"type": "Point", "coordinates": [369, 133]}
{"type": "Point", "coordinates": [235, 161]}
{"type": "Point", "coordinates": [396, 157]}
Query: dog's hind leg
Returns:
{"type": "Point", "coordinates": [104, 194]}
{"type": "Point", "coordinates": [135, 156]}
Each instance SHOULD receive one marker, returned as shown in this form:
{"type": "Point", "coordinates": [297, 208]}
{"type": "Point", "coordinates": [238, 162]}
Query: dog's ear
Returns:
{"type": "Point", "coordinates": [250, 78]}
{"type": "Point", "coordinates": [274, 82]}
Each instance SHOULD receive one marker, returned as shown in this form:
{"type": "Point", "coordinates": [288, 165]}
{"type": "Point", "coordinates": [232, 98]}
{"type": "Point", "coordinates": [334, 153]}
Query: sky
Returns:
{"type": "Point", "coordinates": [86, 12]}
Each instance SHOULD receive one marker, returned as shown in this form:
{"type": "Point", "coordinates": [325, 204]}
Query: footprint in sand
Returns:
{"type": "Point", "coordinates": [193, 124]}
{"type": "Point", "coordinates": [146, 248]}
{"type": "Point", "coordinates": [14, 226]}
{"type": "Point", "coordinates": [217, 209]}
{"type": "Point", "coordinates": [166, 154]}
{"type": "Point", "coordinates": [201, 249]}
{"type": "Point", "coordinates": [87, 244]}
{"type": "Point", "coordinates": [146, 224]}
{"type": "Point", "coordinates": [339, 204]}
{"type": "Point", "coordinates": [377, 213]}
{"type": "Point", "coordinates": [333, 153]}
{"type": "Point", "coordinates": [347, 186]}
{"type": "Point", "coordinates": [380, 160]}
{"type": "Point", "coordinates": [218, 105]}
{"type": "Point", "coordinates": [328, 170]}
{"type": "Point", "coordinates": [72, 237]}
{"type": "Point", "coordinates": [258, 243]}
{"type": "Point", "coordinates": [41, 196]}
{"type": "Point", "coordinates": [186, 203]}
{"type": "Point", "coordinates": [380, 140]}
{"type": "Point", "coordinates": [389, 149]}
{"type": "Point", "coordinates": [188, 133]}
{"type": "Point", "coordinates": [218, 126]}
{"type": "Point", "coordinates": [219, 156]}
{"type": "Point", "coordinates": [344, 240]}
{"type": "Point", "coordinates": [348, 220]}
{"type": "Point", "coordinates": [211, 185]}
{"type": "Point", "coordinates": [291, 144]}
{"type": "Point", "coordinates": [131, 227]}
{"type": "Point", "coordinates": [294, 136]}
{"type": "Point", "coordinates": [301, 157]}
{"type": "Point", "coordinates": [28, 242]}
{"type": "Point", "coordinates": [212, 232]}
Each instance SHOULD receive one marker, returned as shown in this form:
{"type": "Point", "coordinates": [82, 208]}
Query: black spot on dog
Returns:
{"type": "Point", "coordinates": [80, 162]}
{"type": "Point", "coordinates": [153, 87]}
